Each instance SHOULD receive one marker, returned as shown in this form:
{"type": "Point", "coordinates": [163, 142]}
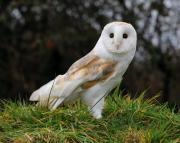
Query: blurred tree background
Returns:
{"type": "Point", "coordinates": [42, 38]}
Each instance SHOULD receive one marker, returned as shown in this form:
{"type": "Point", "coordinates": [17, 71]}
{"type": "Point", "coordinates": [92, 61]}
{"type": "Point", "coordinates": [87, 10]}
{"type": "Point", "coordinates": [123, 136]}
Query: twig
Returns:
{"type": "Point", "coordinates": [50, 93]}
{"type": "Point", "coordinates": [101, 99]}
{"type": "Point", "coordinates": [97, 102]}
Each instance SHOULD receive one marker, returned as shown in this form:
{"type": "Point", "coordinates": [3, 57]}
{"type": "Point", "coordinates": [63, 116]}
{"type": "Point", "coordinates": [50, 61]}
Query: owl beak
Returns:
{"type": "Point", "coordinates": [117, 43]}
{"type": "Point", "coordinates": [117, 46]}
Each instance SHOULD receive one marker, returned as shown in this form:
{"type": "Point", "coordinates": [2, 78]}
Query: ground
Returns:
{"type": "Point", "coordinates": [124, 120]}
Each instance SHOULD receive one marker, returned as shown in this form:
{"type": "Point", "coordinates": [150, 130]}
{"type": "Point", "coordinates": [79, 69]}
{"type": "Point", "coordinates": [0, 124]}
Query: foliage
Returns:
{"type": "Point", "coordinates": [124, 120]}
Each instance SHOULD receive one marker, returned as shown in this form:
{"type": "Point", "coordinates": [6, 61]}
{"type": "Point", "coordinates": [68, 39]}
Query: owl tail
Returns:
{"type": "Point", "coordinates": [42, 94]}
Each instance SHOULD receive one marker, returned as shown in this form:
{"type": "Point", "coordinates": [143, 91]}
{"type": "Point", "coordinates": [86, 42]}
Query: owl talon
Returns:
{"type": "Point", "coordinates": [97, 115]}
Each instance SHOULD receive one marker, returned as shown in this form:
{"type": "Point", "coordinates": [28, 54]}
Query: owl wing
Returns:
{"type": "Point", "coordinates": [82, 75]}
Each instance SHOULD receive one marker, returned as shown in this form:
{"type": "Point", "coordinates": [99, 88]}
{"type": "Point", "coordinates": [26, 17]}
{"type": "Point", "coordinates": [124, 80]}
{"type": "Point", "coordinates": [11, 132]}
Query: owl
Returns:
{"type": "Point", "coordinates": [93, 76]}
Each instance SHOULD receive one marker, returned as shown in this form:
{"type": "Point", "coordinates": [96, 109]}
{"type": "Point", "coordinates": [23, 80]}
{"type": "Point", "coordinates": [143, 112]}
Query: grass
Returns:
{"type": "Point", "coordinates": [124, 120]}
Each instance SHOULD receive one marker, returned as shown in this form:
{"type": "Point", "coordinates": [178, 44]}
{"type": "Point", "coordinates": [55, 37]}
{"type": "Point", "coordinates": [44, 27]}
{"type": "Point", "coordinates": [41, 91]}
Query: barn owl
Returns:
{"type": "Point", "coordinates": [93, 76]}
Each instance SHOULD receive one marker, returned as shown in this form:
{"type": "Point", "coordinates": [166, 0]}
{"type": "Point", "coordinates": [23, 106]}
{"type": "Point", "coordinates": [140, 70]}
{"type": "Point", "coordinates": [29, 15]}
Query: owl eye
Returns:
{"type": "Point", "coordinates": [125, 36]}
{"type": "Point", "coordinates": [111, 35]}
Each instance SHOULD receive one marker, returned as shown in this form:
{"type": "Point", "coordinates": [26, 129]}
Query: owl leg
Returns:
{"type": "Point", "coordinates": [94, 99]}
{"type": "Point", "coordinates": [96, 108]}
{"type": "Point", "coordinates": [95, 105]}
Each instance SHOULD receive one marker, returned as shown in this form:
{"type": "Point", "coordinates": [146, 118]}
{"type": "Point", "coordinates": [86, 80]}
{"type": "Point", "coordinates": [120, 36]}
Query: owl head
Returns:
{"type": "Point", "coordinates": [118, 38]}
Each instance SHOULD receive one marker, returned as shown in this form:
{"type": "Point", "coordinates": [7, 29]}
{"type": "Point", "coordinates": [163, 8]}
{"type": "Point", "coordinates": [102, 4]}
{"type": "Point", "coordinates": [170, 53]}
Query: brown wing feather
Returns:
{"type": "Point", "coordinates": [83, 62]}
{"type": "Point", "coordinates": [92, 69]}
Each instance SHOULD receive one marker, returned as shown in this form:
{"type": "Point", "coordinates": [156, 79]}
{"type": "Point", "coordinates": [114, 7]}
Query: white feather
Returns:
{"type": "Point", "coordinates": [95, 75]}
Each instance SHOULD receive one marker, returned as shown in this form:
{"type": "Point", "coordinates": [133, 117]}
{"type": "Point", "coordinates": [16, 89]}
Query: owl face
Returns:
{"type": "Point", "coordinates": [119, 37]}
